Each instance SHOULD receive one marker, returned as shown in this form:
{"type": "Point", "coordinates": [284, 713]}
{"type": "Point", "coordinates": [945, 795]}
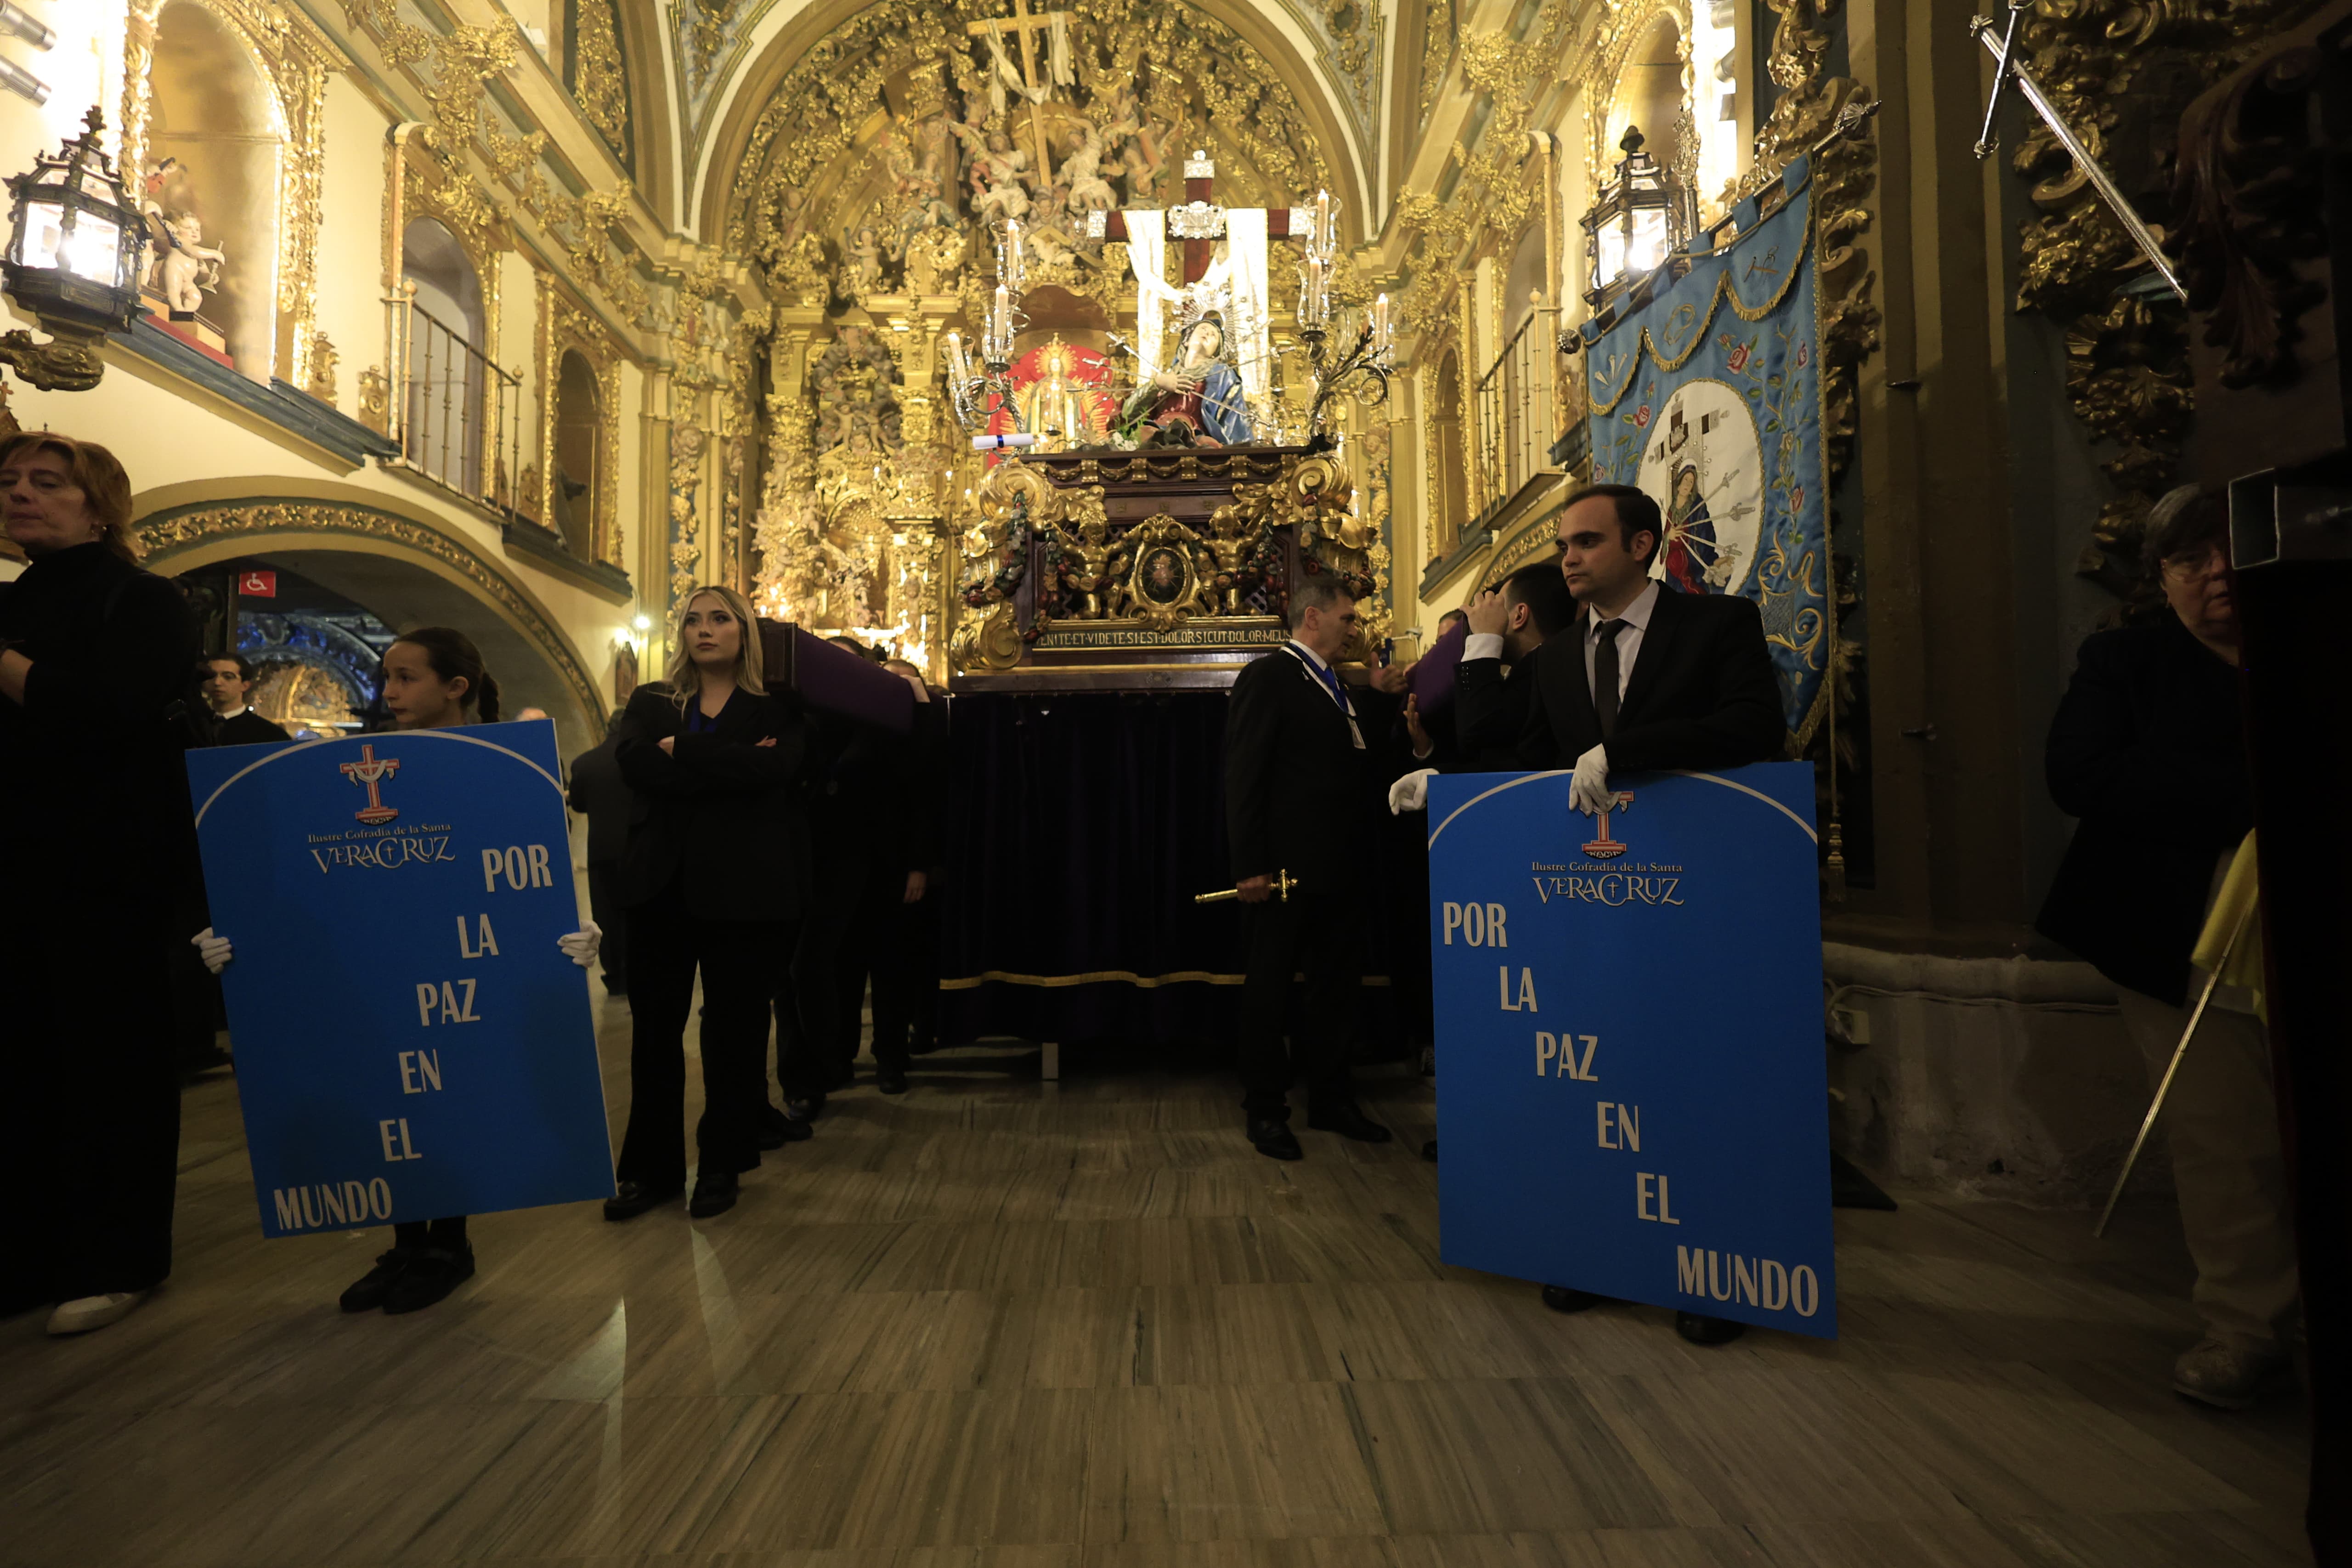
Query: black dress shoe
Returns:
{"type": "Point", "coordinates": [804, 1107]}
{"type": "Point", "coordinates": [891, 1080]}
{"type": "Point", "coordinates": [1705, 1331]}
{"type": "Point", "coordinates": [368, 1291]}
{"type": "Point", "coordinates": [714, 1193]}
{"type": "Point", "coordinates": [1273, 1138]}
{"type": "Point", "coordinates": [1349, 1120]}
{"type": "Point", "coordinates": [631, 1199]}
{"type": "Point", "coordinates": [1429, 1150]}
{"type": "Point", "coordinates": [776, 1130]}
{"type": "Point", "coordinates": [1568, 1298]}
{"type": "Point", "coordinates": [432, 1273]}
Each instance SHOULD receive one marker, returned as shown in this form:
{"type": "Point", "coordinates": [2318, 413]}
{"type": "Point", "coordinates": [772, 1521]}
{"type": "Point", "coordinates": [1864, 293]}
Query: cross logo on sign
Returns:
{"type": "Point", "coordinates": [257, 584]}
{"type": "Point", "coordinates": [372, 772]}
{"type": "Point", "coordinates": [1603, 846]}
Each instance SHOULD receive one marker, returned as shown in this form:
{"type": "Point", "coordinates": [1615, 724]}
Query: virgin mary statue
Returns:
{"type": "Point", "coordinates": [1201, 394]}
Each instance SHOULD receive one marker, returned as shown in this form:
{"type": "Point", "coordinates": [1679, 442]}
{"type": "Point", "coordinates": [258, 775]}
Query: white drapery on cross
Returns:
{"type": "Point", "coordinates": [1243, 261]}
{"type": "Point", "coordinates": [1147, 256]}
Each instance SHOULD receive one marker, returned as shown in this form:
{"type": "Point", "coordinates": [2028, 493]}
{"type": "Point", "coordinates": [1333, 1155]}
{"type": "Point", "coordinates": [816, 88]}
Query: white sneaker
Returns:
{"type": "Point", "coordinates": [87, 1312]}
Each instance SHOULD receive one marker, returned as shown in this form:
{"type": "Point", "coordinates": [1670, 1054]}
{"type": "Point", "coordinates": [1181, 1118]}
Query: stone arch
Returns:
{"type": "Point", "coordinates": [408, 573]}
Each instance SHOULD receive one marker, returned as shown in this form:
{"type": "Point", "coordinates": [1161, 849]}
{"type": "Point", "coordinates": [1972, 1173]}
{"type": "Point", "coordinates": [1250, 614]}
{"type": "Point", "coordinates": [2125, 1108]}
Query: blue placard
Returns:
{"type": "Point", "coordinates": [1631, 1090]}
{"type": "Point", "coordinates": [410, 1041]}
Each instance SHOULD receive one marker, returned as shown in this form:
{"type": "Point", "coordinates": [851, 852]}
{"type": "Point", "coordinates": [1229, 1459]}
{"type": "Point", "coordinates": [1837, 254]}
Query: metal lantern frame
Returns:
{"type": "Point", "coordinates": [1641, 204]}
{"type": "Point", "coordinates": [73, 261]}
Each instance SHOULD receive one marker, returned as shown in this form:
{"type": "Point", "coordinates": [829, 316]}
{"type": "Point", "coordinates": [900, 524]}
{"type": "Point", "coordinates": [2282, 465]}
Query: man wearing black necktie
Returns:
{"type": "Point", "coordinates": [1305, 764]}
{"type": "Point", "coordinates": [1650, 679]}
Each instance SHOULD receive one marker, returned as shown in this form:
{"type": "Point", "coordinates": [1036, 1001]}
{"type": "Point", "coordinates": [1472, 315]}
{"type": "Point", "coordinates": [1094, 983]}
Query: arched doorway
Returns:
{"type": "Point", "coordinates": [443, 400]}
{"type": "Point", "coordinates": [1652, 94]}
{"type": "Point", "coordinates": [215, 144]}
{"type": "Point", "coordinates": [1448, 453]}
{"type": "Point", "coordinates": [406, 575]}
{"type": "Point", "coordinates": [577, 486]}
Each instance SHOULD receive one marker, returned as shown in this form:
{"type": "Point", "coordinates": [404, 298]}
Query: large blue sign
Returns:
{"type": "Point", "coordinates": [1632, 1091]}
{"type": "Point", "coordinates": [410, 1042]}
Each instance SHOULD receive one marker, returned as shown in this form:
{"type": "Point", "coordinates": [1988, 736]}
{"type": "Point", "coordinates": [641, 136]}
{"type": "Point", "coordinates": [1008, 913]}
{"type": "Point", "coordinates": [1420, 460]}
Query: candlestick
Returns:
{"type": "Point", "coordinates": [1000, 323]}
{"type": "Point", "coordinates": [1321, 245]}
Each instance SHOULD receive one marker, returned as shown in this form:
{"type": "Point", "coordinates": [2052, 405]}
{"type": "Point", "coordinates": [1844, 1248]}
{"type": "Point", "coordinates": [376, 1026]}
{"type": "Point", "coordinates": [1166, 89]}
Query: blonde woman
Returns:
{"type": "Point", "coordinates": [715, 880]}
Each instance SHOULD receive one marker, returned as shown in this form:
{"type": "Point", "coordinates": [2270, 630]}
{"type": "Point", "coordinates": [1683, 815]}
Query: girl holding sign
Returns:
{"type": "Point", "coordinates": [433, 678]}
{"type": "Point", "coordinates": [715, 880]}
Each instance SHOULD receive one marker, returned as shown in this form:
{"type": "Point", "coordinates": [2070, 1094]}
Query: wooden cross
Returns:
{"type": "Point", "coordinates": [1024, 25]}
{"type": "Point", "coordinates": [1200, 223]}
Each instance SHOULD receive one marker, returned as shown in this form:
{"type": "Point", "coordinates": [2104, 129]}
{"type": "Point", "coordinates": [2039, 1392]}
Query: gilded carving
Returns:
{"type": "Point", "coordinates": [599, 82]}
{"type": "Point", "coordinates": [375, 401]}
{"type": "Point", "coordinates": [1157, 566]}
{"type": "Point", "coordinates": [323, 359]}
{"type": "Point", "coordinates": [2122, 72]}
{"type": "Point", "coordinates": [173, 532]}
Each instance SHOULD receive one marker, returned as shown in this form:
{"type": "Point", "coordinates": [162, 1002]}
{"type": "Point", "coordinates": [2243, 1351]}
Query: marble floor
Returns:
{"type": "Point", "coordinates": [1001, 1323]}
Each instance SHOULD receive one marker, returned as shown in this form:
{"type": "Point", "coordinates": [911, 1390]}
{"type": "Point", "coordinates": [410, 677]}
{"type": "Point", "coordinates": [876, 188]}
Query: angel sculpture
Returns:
{"type": "Point", "coordinates": [1082, 171]}
{"type": "Point", "coordinates": [184, 265]}
{"type": "Point", "coordinates": [865, 254]}
{"type": "Point", "coordinates": [1000, 174]}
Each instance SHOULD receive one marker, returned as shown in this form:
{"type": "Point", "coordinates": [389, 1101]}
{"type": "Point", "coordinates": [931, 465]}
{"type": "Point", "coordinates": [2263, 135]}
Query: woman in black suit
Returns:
{"type": "Point", "coordinates": [715, 878]}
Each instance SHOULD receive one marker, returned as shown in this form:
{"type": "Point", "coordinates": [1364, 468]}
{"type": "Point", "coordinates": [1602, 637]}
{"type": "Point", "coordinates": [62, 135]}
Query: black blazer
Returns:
{"type": "Point", "coordinates": [1298, 795]}
{"type": "Point", "coordinates": [1490, 710]}
{"type": "Point", "coordinates": [600, 793]}
{"type": "Point", "coordinates": [2149, 749]}
{"type": "Point", "coordinates": [718, 811]}
{"type": "Point", "coordinates": [1701, 694]}
{"type": "Point", "coordinates": [250, 729]}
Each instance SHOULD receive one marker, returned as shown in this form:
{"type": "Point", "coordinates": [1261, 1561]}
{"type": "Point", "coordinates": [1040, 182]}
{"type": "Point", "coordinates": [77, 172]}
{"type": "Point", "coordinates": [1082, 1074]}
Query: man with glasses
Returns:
{"type": "Point", "coordinates": [2148, 751]}
{"type": "Point", "coordinates": [1304, 762]}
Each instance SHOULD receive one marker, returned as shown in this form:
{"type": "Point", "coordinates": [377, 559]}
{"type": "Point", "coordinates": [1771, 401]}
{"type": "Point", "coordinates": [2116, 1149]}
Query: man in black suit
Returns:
{"type": "Point", "coordinates": [1506, 626]}
{"type": "Point", "coordinates": [1304, 763]}
{"type": "Point", "coordinates": [228, 679]}
{"type": "Point", "coordinates": [1651, 678]}
{"type": "Point", "coordinates": [599, 793]}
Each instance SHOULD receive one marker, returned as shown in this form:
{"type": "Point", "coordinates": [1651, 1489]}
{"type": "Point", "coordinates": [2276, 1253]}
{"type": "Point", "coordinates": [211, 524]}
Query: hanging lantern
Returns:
{"type": "Point", "coordinates": [1643, 213]}
{"type": "Point", "coordinates": [73, 260]}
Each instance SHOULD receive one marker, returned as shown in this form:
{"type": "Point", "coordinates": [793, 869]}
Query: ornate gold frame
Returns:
{"type": "Point", "coordinates": [1156, 536]}
{"type": "Point", "coordinates": [294, 56]}
{"type": "Point", "coordinates": [416, 185]}
{"type": "Point", "coordinates": [566, 324]}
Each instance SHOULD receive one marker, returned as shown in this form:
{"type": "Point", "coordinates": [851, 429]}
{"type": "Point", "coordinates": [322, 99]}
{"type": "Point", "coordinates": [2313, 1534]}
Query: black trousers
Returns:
{"type": "Point", "coordinates": [604, 906]}
{"type": "Point", "coordinates": [808, 995]}
{"type": "Point", "coordinates": [875, 946]}
{"type": "Point", "coordinates": [1316, 934]}
{"type": "Point", "coordinates": [90, 1120]}
{"type": "Point", "coordinates": [737, 960]}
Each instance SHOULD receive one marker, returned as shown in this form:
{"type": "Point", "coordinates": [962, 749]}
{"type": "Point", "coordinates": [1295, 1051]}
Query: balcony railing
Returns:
{"type": "Point", "coordinates": [456, 415]}
{"type": "Point", "coordinates": [1515, 414]}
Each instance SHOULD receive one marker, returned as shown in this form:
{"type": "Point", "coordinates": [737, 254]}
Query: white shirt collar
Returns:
{"type": "Point", "coordinates": [1314, 660]}
{"type": "Point", "coordinates": [1636, 615]}
{"type": "Point", "coordinates": [225, 718]}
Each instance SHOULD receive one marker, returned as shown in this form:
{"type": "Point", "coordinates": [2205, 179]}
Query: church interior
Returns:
{"type": "Point", "coordinates": [1051, 348]}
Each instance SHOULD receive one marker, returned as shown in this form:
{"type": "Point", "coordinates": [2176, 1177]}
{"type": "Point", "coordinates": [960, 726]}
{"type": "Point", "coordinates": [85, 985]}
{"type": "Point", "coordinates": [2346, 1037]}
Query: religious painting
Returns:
{"type": "Point", "coordinates": [1709, 398]}
{"type": "Point", "coordinates": [1705, 467]}
{"type": "Point", "coordinates": [1162, 578]}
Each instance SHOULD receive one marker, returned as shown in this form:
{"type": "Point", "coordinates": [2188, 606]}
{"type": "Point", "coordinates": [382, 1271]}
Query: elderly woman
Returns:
{"type": "Point", "coordinates": [2149, 750]}
{"type": "Point", "coordinates": [97, 881]}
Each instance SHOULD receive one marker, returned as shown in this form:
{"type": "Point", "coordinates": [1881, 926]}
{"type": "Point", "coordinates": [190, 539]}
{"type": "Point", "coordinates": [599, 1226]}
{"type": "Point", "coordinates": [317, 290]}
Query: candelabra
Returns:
{"type": "Point", "coordinates": [978, 396]}
{"type": "Point", "coordinates": [1347, 354]}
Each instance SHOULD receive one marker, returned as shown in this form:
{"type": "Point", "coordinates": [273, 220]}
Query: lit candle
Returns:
{"type": "Point", "coordinates": [1013, 257]}
{"type": "Point", "coordinates": [1004, 320]}
{"type": "Point", "coordinates": [1323, 222]}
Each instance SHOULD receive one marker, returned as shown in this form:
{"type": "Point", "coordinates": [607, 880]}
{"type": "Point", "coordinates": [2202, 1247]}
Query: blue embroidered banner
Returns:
{"type": "Point", "coordinates": [410, 1042]}
{"type": "Point", "coordinates": [1631, 1090]}
{"type": "Point", "coordinates": [1709, 398]}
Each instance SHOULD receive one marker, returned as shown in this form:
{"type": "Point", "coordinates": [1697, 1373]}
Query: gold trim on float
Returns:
{"type": "Point", "coordinates": [1110, 977]}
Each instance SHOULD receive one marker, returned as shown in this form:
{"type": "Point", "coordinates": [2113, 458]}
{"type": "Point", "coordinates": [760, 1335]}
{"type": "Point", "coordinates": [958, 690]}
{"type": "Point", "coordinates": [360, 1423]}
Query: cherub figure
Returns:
{"type": "Point", "coordinates": [184, 265]}
{"type": "Point", "coordinates": [865, 252]}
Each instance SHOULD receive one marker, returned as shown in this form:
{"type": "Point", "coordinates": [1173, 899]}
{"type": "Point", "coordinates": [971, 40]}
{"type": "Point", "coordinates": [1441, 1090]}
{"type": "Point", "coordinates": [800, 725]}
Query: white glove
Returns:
{"type": "Point", "coordinates": [214, 949]}
{"type": "Point", "coordinates": [581, 946]}
{"type": "Point", "coordinates": [1589, 791]}
{"type": "Point", "coordinates": [1410, 793]}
